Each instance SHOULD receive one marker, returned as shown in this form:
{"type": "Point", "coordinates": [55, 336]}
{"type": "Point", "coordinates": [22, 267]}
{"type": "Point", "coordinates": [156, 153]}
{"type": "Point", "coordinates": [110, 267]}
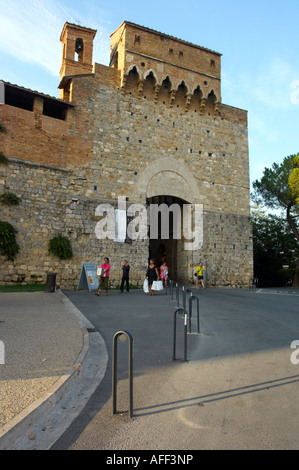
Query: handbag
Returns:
{"type": "Point", "coordinates": [157, 285]}
{"type": "Point", "coordinates": [145, 286]}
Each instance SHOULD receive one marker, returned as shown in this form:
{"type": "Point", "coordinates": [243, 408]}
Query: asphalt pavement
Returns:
{"type": "Point", "coordinates": [229, 381]}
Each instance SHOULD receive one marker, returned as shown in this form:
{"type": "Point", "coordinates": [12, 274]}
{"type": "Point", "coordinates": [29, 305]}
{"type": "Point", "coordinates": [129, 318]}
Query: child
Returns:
{"type": "Point", "coordinates": [164, 274]}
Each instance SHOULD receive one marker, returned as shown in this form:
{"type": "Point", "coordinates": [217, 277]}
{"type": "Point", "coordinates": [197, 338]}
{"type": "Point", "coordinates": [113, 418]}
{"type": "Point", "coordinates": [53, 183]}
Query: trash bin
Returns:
{"type": "Point", "coordinates": [51, 282]}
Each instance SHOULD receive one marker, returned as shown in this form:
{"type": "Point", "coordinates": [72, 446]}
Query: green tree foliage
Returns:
{"type": "Point", "coordinates": [9, 199]}
{"type": "Point", "coordinates": [3, 159]}
{"type": "Point", "coordinates": [8, 244]}
{"type": "Point", "coordinates": [274, 191]}
{"type": "Point", "coordinates": [274, 245]}
{"type": "Point", "coordinates": [60, 246]}
{"type": "Point", "coordinates": [294, 179]}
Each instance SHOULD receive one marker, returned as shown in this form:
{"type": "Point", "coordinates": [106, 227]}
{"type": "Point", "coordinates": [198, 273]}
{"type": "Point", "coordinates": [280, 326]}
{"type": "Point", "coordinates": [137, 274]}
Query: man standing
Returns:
{"type": "Point", "coordinates": [125, 277]}
{"type": "Point", "coordinates": [199, 271]}
{"type": "Point", "coordinates": [104, 277]}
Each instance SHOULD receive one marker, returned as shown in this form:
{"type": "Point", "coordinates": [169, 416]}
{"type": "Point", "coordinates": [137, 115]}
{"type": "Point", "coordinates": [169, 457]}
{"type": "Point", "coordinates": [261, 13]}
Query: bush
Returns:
{"type": "Point", "coordinates": [8, 244]}
{"type": "Point", "coordinates": [3, 159]}
{"type": "Point", "coordinates": [9, 199]}
{"type": "Point", "coordinates": [60, 246]}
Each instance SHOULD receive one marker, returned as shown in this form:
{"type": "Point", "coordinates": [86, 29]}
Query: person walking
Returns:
{"type": "Point", "coordinates": [125, 277]}
{"type": "Point", "coordinates": [104, 277]}
{"type": "Point", "coordinates": [164, 274]}
{"type": "Point", "coordinates": [199, 272]}
{"type": "Point", "coordinates": [152, 274]}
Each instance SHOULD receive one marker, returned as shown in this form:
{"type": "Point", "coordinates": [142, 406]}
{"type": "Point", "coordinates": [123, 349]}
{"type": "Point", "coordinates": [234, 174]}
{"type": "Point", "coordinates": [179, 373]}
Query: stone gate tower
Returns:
{"type": "Point", "coordinates": [150, 127]}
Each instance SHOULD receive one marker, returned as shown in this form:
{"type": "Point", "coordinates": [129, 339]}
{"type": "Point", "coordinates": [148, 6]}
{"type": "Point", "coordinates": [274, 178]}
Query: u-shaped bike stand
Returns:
{"type": "Point", "coordinates": [193, 297]}
{"type": "Point", "coordinates": [126, 336]}
{"type": "Point", "coordinates": [185, 333]}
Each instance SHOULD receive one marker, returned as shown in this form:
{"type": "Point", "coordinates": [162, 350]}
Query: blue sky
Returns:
{"type": "Point", "coordinates": [259, 41]}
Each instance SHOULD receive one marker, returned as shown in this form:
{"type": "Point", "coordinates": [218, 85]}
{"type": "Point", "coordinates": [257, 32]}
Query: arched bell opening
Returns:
{"type": "Point", "coordinates": [79, 50]}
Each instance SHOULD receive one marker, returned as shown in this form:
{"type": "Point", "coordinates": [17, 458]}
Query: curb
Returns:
{"type": "Point", "coordinates": [41, 407]}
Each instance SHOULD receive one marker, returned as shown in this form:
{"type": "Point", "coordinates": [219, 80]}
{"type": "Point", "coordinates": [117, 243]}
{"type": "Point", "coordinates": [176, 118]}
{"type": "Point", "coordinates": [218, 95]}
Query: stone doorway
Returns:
{"type": "Point", "coordinates": [168, 248]}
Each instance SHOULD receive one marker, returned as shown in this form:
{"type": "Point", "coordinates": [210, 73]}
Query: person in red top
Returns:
{"type": "Point", "coordinates": [104, 277]}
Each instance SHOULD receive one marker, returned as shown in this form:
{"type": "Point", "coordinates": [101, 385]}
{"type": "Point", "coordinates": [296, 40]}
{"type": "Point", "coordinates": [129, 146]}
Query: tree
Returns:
{"type": "Point", "coordinates": [274, 245]}
{"type": "Point", "coordinates": [274, 191]}
{"type": "Point", "coordinates": [294, 179]}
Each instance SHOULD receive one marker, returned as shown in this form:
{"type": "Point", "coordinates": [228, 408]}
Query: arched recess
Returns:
{"type": "Point", "coordinates": [211, 102]}
{"type": "Point", "coordinates": [169, 177]}
{"type": "Point", "coordinates": [149, 86]}
{"type": "Point", "coordinates": [195, 103]}
{"type": "Point", "coordinates": [164, 93]}
{"type": "Point", "coordinates": [132, 80]}
{"type": "Point", "coordinates": [180, 97]}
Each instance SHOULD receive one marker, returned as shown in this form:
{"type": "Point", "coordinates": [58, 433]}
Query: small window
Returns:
{"type": "Point", "coordinates": [213, 63]}
{"type": "Point", "coordinates": [181, 53]}
{"type": "Point", "coordinates": [137, 38]}
{"type": "Point", "coordinates": [54, 109]}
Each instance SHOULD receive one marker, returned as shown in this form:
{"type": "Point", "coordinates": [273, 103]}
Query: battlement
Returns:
{"type": "Point", "coordinates": [161, 67]}
{"type": "Point", "coordinates": [165, 58]}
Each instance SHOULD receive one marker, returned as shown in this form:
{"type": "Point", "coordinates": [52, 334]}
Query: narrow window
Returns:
{"type": "Point", "coordinates": [79, 50]}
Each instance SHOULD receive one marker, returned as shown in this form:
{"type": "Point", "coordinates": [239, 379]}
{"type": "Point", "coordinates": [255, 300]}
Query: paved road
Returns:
{"type": "Point", "coordinates": [238, 389]}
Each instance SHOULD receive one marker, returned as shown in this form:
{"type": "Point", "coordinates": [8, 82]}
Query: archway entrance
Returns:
{"type": "Point", "coordinates": [167, 245]}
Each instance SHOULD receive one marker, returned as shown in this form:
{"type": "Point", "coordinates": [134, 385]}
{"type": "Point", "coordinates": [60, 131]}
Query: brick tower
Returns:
{"type": "Point", "coordinates": [77, 53]}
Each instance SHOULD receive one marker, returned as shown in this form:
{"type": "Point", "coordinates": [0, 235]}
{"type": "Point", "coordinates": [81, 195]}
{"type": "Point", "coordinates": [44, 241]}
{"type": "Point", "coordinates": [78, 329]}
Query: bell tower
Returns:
{"type": "Point", "coordinates": [76, 54]}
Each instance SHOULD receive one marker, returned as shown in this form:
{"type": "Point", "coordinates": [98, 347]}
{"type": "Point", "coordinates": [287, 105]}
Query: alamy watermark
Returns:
{"type": "Point", "coordinates": [295, 93]}
{"type": "Point", "coordinates": [144, 222]}
{"type": "Point", "coordinates": [2, 353]}
{"type": "Point", "coordinates": [294, 358]}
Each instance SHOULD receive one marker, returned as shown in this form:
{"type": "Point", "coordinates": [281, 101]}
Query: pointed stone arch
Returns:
{"type": "Point", "coordinates": [211, 103]}
{"type": "Point", "coordinates": [149, 85]}
{"type": "Point", "coordinates": [180, 96]}
{"type": "Point", "coordinates": [196, 99]}
{"type": "Point", "coordinates": [151, 72]}
{"type": "Point", "coordinates": [131, 80]}
{"type": "Point", "coordinates": [165, 90]}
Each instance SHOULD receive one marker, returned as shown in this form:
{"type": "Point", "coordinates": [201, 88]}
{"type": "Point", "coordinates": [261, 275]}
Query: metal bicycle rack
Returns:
{"type": "Point", "coordinates": [123, 335]}
{"type": "Point", "coordinates": [185, 333]}
{"type": "Point", "coordinates": [177, 294]}
{"type": "Point", "coordinates": [172, 287]}
{"type": "Point", "coordinates": [185, 292]}
{"type": "Point", "coordinates": [193, 297]}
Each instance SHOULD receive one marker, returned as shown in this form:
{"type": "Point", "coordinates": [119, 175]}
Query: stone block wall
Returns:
{"type": "Point", "coordinates": [52, 201]}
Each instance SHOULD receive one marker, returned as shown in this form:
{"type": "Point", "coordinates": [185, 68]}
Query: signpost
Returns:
{"type": "Point", "coordinates": [88, 277]}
